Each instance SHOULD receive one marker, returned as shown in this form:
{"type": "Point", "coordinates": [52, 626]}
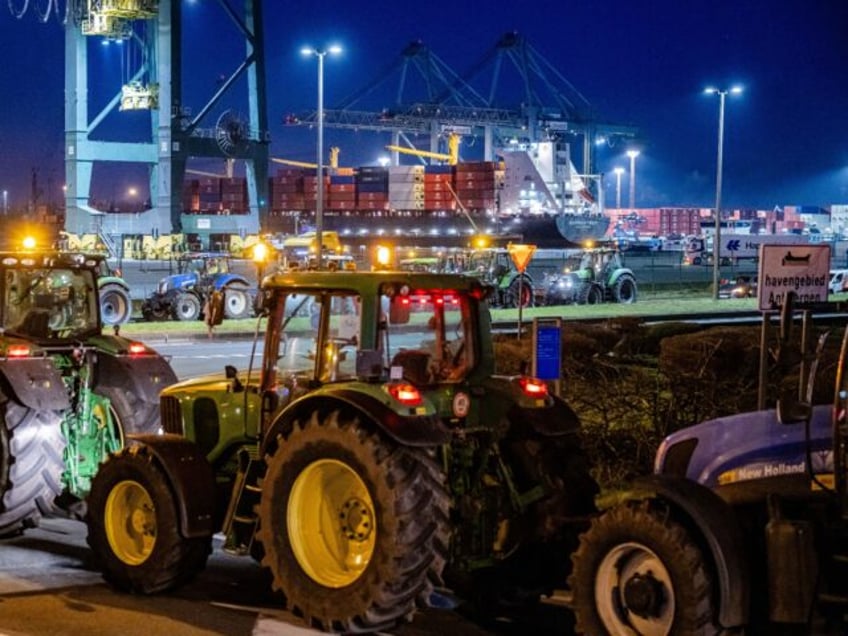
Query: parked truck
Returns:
{"type": "Point", "coordinates": [370, 456]}
{"type": "Point", "coordinates": [741, 528]}
{"type": "Point", "coordinates": [69, 393]}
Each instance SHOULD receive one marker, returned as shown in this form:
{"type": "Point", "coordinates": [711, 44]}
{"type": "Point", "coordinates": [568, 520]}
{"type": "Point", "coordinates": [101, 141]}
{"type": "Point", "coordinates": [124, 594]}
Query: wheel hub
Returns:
{"type": "Point", "coordinates": [357, 521]}
{"type": "Point", "coordinates": [644, 596]}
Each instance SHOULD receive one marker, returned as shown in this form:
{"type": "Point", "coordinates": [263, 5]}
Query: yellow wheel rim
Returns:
{"type": "Point", "coordinates": [130, 520]}
{"type": "Point", "coordinates": [331, 523]}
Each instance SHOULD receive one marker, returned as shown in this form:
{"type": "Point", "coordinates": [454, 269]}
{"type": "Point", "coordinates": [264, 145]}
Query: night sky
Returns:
{"type": "Point", "coordinates": [643, 63]}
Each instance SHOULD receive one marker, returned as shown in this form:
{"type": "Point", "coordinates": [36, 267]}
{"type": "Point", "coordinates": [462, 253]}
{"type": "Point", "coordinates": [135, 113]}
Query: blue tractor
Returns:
{"type": "Point", "coordinates": [741, 528]}
{"type": "Point", "coordinates": [183, 295]}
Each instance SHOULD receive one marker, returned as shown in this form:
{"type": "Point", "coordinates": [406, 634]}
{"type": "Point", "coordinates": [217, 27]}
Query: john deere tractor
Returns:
{"type": "Point", "coordinates": [69, 394]}
{"type": "Point", "coordinates": [369, 456]}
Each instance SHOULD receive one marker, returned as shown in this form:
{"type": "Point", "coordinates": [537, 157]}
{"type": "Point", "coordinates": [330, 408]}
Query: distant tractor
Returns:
{"type": "Point", "coordinates": [594, 276]}
{"type": "Point", "coordinates": [69, 393]}
{"type": "Point", "coordinates": [370, 456]}
{"type": "Point", "coordinates": [742, 528]}
{"type": "Point", "coordinates": [183, 295]}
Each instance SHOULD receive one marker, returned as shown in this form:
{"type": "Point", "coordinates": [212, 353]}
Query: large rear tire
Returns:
{"type": "Point", "coordinates": [115, 305]}
{"type": "Point", "coordinates": [523, 297]}
{"type": "Point", "coordinates": [237, 303]}
{"type": "Point", "coordinates": [624, 290]}
{"type": "Point", "coordinates": [591, 294]}
{"type": "Point", "coordinates": [31, 464]}
{"type": "Point", "coordinates": [638, 572]}
{"type": "Point", "coordinates": [536, 545]}
{"type": "Point", "coordinates": [133, 526]}
{"type": "Point", "coordinates": [353, 527]}
{"type": "Point", "coordinates": [134, 415]}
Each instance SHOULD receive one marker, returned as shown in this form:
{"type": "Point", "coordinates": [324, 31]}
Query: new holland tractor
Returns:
{"type": "Point", "coordinates": [69, 393]}
{"type": "Point", "coordinates": [183, 295]}
{"type": "Point", "coordinates": [742, 527]}
{"type": "Point", "coordinates": [371, 455]}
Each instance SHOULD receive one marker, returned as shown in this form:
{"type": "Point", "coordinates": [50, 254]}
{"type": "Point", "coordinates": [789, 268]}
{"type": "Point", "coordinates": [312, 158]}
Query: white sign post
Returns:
{"type": "Point", "coordinates": [802, 269]}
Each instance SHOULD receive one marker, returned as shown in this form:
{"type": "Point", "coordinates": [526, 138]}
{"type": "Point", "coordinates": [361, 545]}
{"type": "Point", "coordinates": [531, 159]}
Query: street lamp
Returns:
{"type": "Point", "coordinates": [319, 199]}
{"type": "Point", "coordinates": [632, 154]}
{"type": "Point", "coordinates": [722, 93]}
{"type": "Point", "coordinates": [618, 170]}
{"type": "Point", "coordinates": [5, 202]}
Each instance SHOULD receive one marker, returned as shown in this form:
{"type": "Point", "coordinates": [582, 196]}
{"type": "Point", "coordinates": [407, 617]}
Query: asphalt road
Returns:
{"type": "Point", "coordinates": [48, 585]}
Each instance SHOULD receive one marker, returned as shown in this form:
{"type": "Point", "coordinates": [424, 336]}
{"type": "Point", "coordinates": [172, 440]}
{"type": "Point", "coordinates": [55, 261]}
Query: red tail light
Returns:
{"type": "Point", "coordinates": [137, 348]}
{"type": "Point", "coordinates": [533, 387]}
{"type": "Point", "coordinates": [405, 393]}
{"type": "Point", "coordinates": [18, 351]}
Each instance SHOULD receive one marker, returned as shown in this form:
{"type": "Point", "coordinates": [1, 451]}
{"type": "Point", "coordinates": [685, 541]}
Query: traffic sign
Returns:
{"type": "Point", "coordinates": [802, 269]}
{"type": "Point", "coordinates": [521, 254]}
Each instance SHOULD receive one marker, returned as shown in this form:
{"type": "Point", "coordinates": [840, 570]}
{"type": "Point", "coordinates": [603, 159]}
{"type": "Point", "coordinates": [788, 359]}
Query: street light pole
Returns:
{"type": "Point", "coordinates": [632, 154]}
{"type": "Point", "coordinates": [722, 93]}
{"type": "Point", "coordinates": [618, 170]}
{"type": "Point", "coordinates": [319, 198]}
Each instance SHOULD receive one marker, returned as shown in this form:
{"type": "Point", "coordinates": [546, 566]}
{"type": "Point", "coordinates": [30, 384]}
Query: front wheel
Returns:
{"type": "Point", "coordinates": [353, 526]}
{"type": "Point", "coordinates": [133, 526]}
{"type": "Point", "coordinates": [186, 307]}
{"type": "Point", "coordinates": [639, 572]}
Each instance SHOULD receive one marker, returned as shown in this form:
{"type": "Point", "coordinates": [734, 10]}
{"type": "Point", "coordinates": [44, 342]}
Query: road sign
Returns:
{"type": "Point", "coordinates": [520, 254]}
{"type": "Point", "coordinates": [802, 269]}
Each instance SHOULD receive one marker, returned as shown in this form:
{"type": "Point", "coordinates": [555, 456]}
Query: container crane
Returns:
{"type": "Point", "coordinates": [333, 161]}
{"type": "Point", "coordinates": [451, 157]}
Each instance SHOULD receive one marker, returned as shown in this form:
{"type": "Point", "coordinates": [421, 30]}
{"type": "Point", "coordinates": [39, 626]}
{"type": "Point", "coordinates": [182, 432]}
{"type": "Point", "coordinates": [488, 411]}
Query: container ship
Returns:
{"type": "Point", "coordinates": [526, 196]}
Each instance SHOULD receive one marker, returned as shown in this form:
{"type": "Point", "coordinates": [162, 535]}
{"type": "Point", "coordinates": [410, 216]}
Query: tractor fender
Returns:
{"type": "Point", "coordinates": [618, 274]}
{"type": "Point", "coordinates": [113, 280]}
{"type": "Point", "coordinates": [407, 430]}
{"type": "Point", "coordinates": [225, 280]}
{"type": "Point", "coordinates": [190, 478]}
{"type": "Point", "coordinates": [144, 375]}
{"type": "Point", "coordinates": [558, 419]}
{"type": "Point", "coordinates": [716, 522]}
{"type": "Point", "coordinates": [35, 383]}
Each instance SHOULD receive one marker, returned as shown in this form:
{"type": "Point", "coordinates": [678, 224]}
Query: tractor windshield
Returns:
{"type": "Point", "coordinates": [46, 303]}
{"type": "Point", "coordinates": [298, 348]}
{"type": "Point", "coordinates": [429, 337]}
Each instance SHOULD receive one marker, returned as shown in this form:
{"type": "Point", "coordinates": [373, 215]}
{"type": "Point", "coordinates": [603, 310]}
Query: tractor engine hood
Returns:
{"type": "Point", "coordinates": [747, 447]}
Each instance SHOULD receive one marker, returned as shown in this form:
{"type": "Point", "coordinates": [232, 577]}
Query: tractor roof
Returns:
{"type": "Point", "coordinates": [50, 258]}
{"type": "Point", "coordinates": [371, 283]}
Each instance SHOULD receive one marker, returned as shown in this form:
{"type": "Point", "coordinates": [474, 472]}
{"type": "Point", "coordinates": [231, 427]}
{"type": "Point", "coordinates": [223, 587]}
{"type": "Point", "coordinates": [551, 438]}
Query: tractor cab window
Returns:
{"type": "Point", "coordinates": [431, 341]}
{"type": "Point", "coordinates": [49, 303]}
{"type": "Point", "coordinates": [318, 337]}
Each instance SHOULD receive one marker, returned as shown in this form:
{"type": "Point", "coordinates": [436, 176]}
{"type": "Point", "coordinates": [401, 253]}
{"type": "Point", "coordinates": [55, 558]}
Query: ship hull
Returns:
{"type": "Point", "coordinates": [544, 230]}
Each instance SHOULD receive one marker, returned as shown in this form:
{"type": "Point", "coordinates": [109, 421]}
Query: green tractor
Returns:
{"type": "Point", "coordinates": [596, 275]}
{"type": "Point", "coordinates": [69, 394]}
{"type": "Point", "coordinates": [370, 456]}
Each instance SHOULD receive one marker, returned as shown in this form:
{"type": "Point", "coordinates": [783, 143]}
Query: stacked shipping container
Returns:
{"type": "Point", "coordinates": [477, 184]}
